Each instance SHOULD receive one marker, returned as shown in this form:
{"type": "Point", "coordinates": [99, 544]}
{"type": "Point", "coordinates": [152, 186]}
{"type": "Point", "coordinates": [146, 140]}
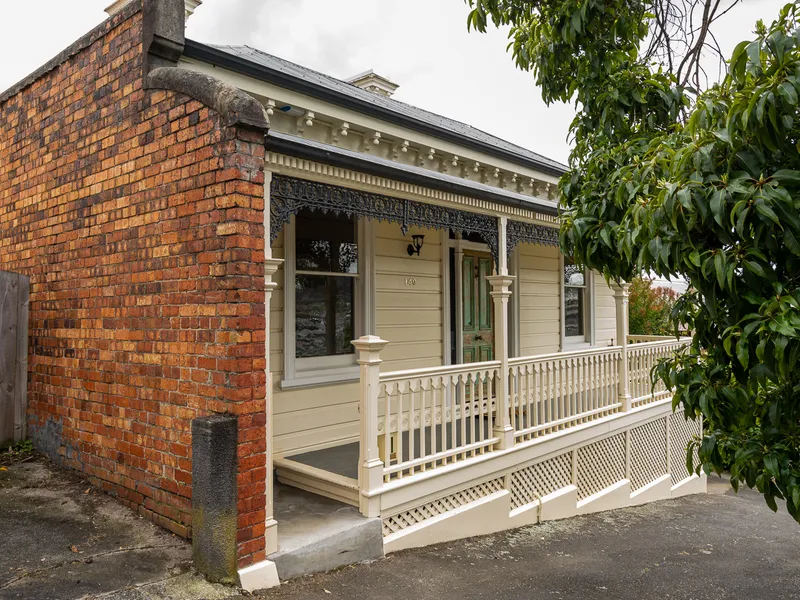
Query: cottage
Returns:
{"type": "Point", "coordinates": [247, 275]}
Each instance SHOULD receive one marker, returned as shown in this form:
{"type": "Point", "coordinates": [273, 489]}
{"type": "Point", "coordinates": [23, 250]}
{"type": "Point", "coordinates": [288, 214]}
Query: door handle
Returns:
{"type": "Point", "coordinates": [478, 337]}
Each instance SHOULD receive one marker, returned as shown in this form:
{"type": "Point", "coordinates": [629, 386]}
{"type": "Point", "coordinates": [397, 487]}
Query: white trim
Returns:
{"type": "Point", "coordinates": [589, 337]}
{"type": "Point", "coordinates": [259, 576]}
{"type": "Point", "coordinates": [321, 377]}
{"type": "Point", "coordinates": [447, 334]}
{"type": "Point", "coordinates": [289, 350]}
{"type": "Point", "coordinates": [459, 265]}
{"type": "Point", "coordinates": [320, 370]}
{"type": "Point", "coordinates": [323, 363]}
{"type": "Point", "coordinates": [366, 253]}
{"type": "Point", "coordinates": [515, 309]}
{"type": "Point", "coordinates": [327, 114]}
{"type": "Point", "coordinates": [561, 313]}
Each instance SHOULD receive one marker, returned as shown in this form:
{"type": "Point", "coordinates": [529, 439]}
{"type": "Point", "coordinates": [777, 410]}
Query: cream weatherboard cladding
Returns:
{"type": "Point", "coordinates": [605, 323]}
{"type": "Point", "coordinates": [408, 298]}
{"type": "Point", "coordinates": [539, 299]}
{"type": "Point", "coordinates": [408, 310]}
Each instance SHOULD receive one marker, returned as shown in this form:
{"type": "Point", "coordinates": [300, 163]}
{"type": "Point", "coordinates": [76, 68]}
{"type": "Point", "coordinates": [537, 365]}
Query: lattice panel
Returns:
{"type": "Point", "coordinates": [416, 515]}
{"type": "Point", "coordinates": [680, 432]}
{"type": "Point", "coordinates": [601, 465]}
{"type": "Point", "coordinates": [648, 453]}
{"type": "Point", "coordinates": [540, 479]}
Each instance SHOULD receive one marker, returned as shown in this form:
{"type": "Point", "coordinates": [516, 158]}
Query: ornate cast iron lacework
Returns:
{"type": "Point", "coordinates": [289, 195]}
{"type": "Point", "coordinates": [530, 233]}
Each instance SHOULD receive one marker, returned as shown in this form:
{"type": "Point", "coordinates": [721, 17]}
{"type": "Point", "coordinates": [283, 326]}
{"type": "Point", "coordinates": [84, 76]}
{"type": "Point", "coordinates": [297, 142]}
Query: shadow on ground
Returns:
{"type": "Point", "coordinates": [62, 539]}
{"type": "Point", "coordinates": [703, 547]}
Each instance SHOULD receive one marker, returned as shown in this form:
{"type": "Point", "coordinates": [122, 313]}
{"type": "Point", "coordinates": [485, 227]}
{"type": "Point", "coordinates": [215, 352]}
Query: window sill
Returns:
{"type": "Point", "coordinates": [320, 378]}
{"type": "Point", "coordinates": [576, 345]}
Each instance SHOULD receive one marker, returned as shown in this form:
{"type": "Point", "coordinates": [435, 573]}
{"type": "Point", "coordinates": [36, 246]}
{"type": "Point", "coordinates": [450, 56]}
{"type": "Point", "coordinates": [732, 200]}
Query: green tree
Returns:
{"type": "Point", "coordinates": [667, 180]}
{"type": "Point", "coordinates": [649, 308]}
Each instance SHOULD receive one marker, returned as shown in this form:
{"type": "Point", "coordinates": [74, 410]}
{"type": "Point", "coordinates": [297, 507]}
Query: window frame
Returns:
{"type": "Point", "coordinates": [587, 340]}
{"type": "Point", "coordinates": [320, 370]}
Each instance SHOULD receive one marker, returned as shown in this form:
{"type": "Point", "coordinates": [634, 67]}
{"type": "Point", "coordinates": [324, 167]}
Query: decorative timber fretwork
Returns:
{"type": "Point", "coordinates": [289, 195]}
{"type": "Point", "coordinates": [529, 233]}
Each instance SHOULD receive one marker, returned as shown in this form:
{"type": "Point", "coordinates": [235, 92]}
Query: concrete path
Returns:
{"type": "Point", "coordinates": [713, 546]}
{"type": "Point", "coordinates": [62, 539]}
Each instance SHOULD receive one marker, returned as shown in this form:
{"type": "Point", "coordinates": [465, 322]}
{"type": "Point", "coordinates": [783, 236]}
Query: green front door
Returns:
{"type": "Point", "coordinates": [477, 303]}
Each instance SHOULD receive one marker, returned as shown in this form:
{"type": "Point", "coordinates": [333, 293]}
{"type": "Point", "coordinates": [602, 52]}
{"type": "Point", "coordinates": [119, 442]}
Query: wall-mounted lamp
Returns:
{"type": "Point", "coordinates": [416, 244]}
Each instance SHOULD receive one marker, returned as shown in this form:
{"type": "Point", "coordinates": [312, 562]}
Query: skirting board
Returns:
{"type": "Point", "coordinates": [484, 516]}
{"type": "Point", "coordinates": [691, 485]}
{"type": "Point", "coordinates": [561, 504]}
{"type": "Point", "coordinates": [660, 489]}
{"type": "Point", "coordinates": [614, 496]}
{"type": "Point", "coordinates": [259, 576]}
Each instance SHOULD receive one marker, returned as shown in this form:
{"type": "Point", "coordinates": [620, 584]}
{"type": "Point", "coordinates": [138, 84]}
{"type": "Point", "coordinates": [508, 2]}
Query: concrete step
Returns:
{"type": "Point", "coordinates": [317, 534]}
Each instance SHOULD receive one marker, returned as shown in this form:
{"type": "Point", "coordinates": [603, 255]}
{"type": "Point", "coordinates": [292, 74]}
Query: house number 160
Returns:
{"type": "Point", "coordinates": [411, 281]}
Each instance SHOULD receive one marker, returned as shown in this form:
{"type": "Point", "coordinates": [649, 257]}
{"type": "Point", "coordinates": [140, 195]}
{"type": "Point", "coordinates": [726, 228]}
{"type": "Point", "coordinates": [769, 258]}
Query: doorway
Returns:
{"type": "Point", "coordinates": [477, 307]}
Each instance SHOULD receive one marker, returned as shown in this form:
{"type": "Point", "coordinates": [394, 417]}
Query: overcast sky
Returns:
{"type": "Point", "coordinates": [423, 45]}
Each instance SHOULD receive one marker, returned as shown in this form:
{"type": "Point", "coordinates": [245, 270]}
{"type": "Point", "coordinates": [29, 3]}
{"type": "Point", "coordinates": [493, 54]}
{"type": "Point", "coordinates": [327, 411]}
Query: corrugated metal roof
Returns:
{"type": "Point", "coordinates": [389, 104]}
{"type": "Point", "coordinates": [533, 204]}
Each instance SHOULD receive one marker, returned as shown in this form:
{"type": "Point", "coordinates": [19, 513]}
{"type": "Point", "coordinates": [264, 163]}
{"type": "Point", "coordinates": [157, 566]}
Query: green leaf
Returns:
{"type": "Point", "coordinates": [791, 242]}
{"type": "Point", "coordinates": [787, 92]}
{"type": "Point", "coordinates": [739, 60]}
{"type": "Point", "coordinates": [694, 257]}
{"type": "Point", "coordinates": [743, 352]}
{"type": "Point", "coordinates": [765, 210]}
{"type": "Point", "coordinates": [719, 267]}
{"type": "Point", "coordinates": [717, 205]}
{"type": "Point", "coordinates": [787, 176]}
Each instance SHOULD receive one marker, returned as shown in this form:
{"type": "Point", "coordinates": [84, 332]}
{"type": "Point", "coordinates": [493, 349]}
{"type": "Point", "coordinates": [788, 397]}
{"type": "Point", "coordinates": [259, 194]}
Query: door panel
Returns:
{"type": "Point", "coordinates": [478, 341]}
{"type": "Point", "coordinates": [468, 279]}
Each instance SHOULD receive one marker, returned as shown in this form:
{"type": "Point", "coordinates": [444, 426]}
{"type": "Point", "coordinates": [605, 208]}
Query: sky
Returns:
{"type": "Point", "coordinates": [422, 45]}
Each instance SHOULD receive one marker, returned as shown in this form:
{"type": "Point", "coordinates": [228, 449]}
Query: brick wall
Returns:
{"type": "Point", "coordinates": [138, 217]}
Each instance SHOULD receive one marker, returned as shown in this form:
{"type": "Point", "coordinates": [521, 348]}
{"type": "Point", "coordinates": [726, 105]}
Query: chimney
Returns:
{"type": "Point", "coordinates": [372, 82]}
{"type": "Point", "coordinates": [114, 8]}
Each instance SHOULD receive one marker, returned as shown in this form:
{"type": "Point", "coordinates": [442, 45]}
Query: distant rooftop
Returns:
{"type": "Point", "coordinates": [267, 67]}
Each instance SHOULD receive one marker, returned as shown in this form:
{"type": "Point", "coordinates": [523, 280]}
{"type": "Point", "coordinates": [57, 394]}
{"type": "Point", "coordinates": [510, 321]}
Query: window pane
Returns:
{"type": "Point", "coordinates": [573, 312]}
{"type": "Point", "coordinates": [574, 275]}
{"type": "Point", "coordinates": [323, 315]}
{"type": "Point", "coordinates": [325, 242]}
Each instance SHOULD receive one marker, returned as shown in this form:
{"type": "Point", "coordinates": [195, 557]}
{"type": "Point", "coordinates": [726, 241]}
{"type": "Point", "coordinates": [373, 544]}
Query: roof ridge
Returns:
{"type": "Point", "coordinates": [391, 104]}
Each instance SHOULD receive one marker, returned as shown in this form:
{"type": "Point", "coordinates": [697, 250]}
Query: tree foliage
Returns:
{"type": "Point", "coordinates": [649, 308]}
{"type": "Point", "coordinates": [704, 186]}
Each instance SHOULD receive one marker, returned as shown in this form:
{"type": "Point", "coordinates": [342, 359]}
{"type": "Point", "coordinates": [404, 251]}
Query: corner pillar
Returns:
{"type": "Point", "coordinates": [370, 473]}
{"type": "Point", "coordinates": [501, 292]}
{"type": "Point", "coordinates": [271, 266]}
{"type": "Point", "coordinates": [621, 294]}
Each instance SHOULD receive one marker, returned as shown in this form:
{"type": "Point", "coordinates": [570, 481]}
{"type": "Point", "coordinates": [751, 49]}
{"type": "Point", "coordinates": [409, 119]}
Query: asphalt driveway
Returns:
{"type": "Point", "coordinates": [711, 546]}
{"type": "Point", "coordinates": [61, 539]}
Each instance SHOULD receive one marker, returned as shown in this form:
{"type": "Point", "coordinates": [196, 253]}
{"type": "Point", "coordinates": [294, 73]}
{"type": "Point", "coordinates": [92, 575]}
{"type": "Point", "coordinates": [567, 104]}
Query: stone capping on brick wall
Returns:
{"type": "Point", "coordinates": [233, 106]}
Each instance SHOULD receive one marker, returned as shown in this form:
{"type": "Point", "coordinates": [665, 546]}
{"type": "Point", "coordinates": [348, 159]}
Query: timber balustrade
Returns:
{"type": "Point", "coordinates": [556, 391]}
{"type": "Point", "coordinates": [642, 358]}
{"type": "Point", "coordinates": [432, 417]}
{"type": "Point", "coordinates": [422, 419]}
